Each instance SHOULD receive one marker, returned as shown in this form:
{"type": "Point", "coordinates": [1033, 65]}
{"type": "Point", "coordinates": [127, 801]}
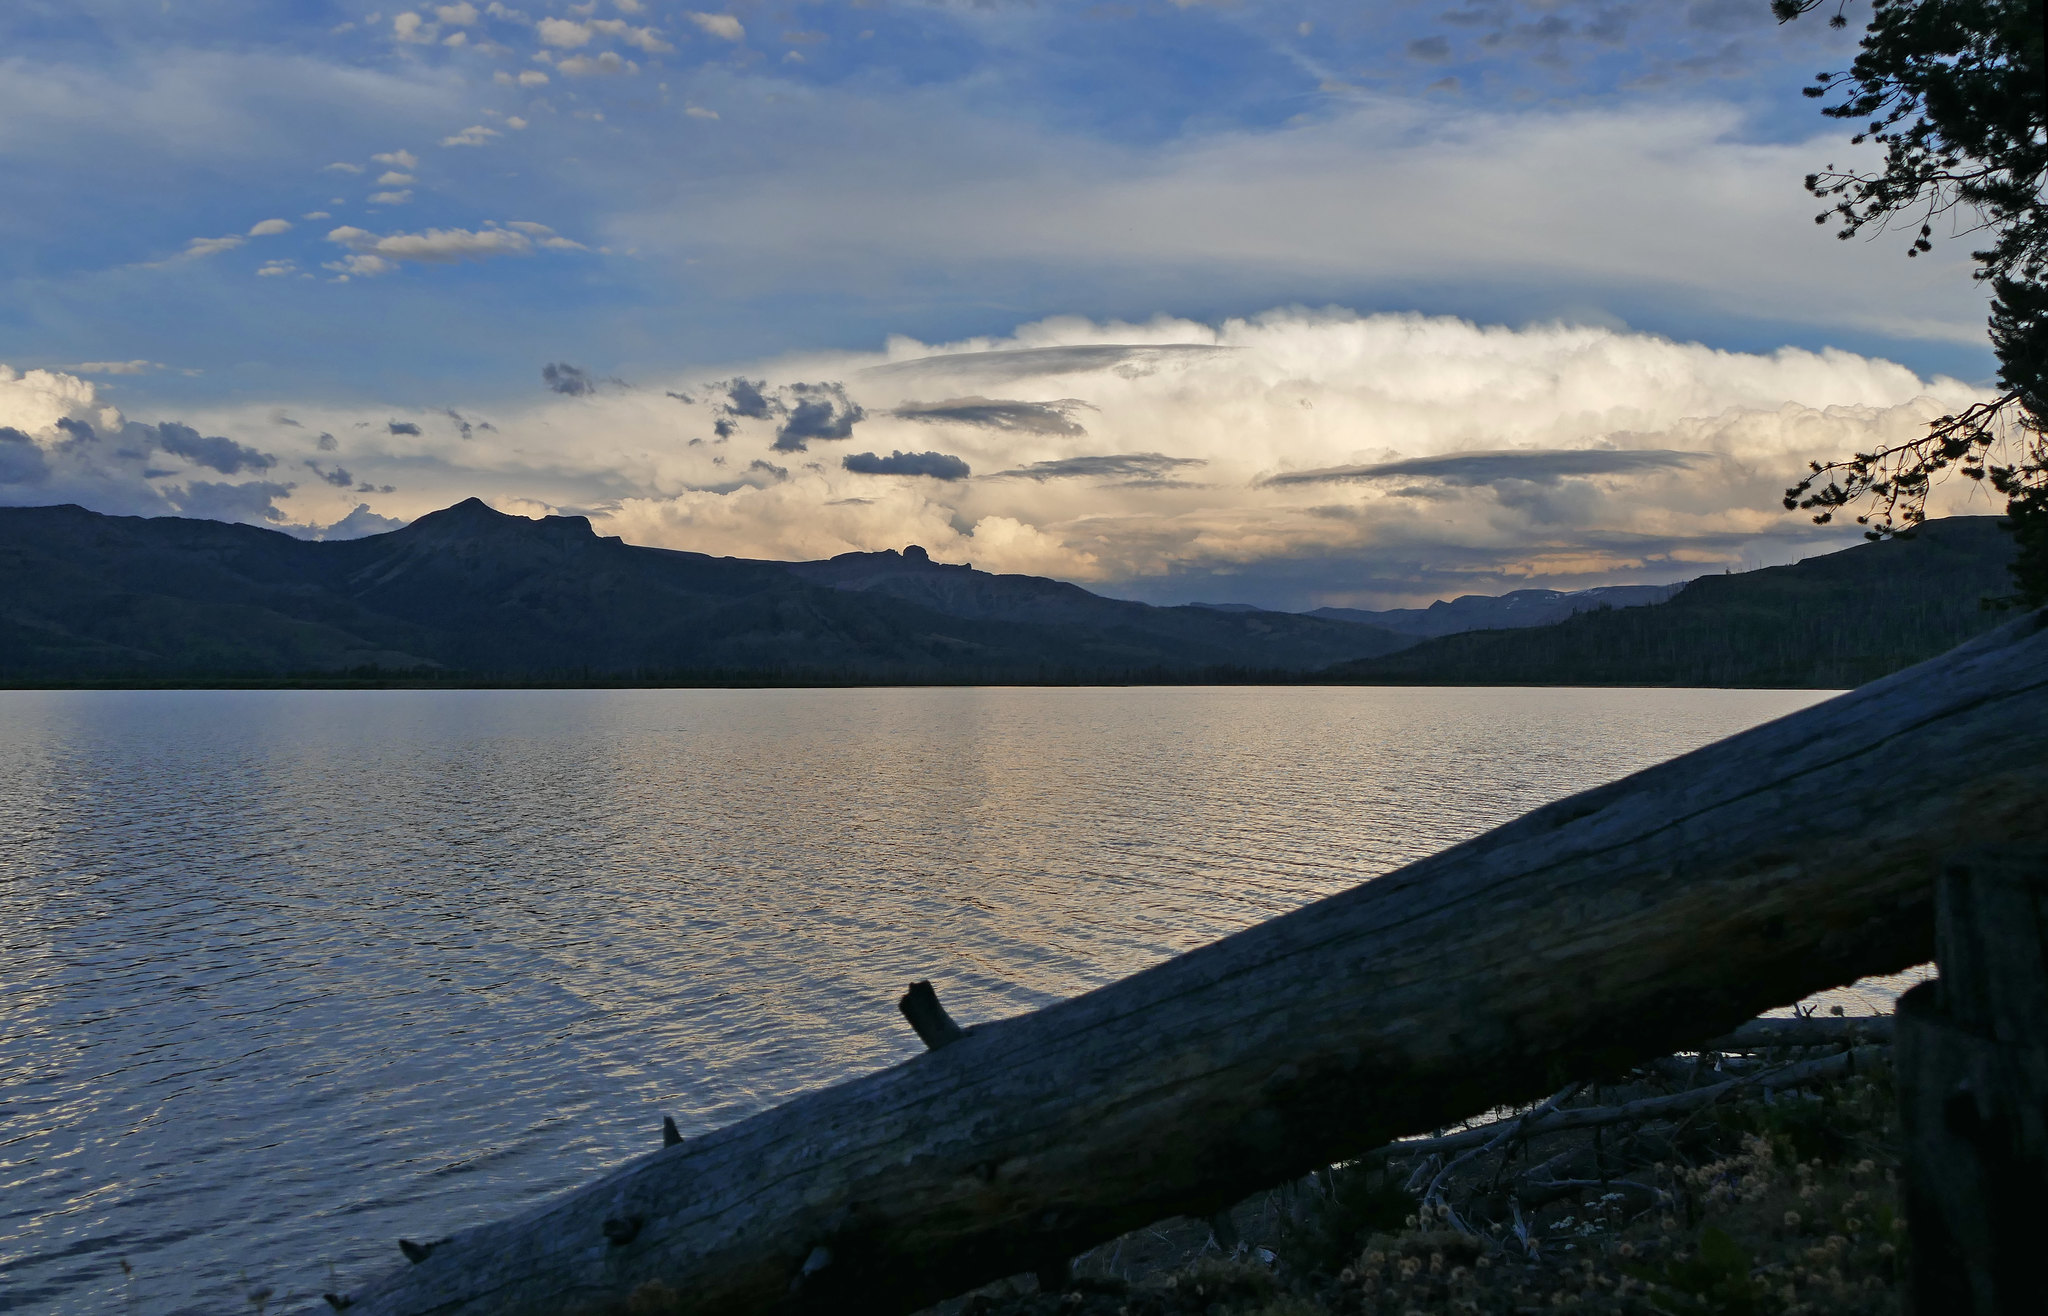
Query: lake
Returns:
{"type": "Point", "coordinates": [287, 975]}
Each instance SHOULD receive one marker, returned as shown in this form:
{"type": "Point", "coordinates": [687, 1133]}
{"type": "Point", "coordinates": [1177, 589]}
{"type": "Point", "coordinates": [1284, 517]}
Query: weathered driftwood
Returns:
{"type": "Point", "coordinates": [1973, 1092]}
{"type": "Point", "coordinates": [1621, 924]}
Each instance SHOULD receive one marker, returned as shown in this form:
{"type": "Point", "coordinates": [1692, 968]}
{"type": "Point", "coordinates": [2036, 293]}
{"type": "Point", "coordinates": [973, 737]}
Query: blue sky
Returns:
{"type": "Point", "coordinates": [356, 216]}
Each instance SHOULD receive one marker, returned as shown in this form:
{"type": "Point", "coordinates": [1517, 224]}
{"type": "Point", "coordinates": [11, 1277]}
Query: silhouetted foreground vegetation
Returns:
{"type": "Point", "coordinates": [1825, 623]}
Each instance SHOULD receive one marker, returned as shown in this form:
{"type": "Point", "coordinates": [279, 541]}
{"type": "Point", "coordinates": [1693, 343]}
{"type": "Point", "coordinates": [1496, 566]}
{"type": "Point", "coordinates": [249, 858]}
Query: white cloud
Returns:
{"type": "Point", "coordinates": [199, 248]}
{"type": "Point", "coordinates": [607, 64]}
{"type": "Point", "coordinates": [545, 236]}
{"type": "Point", "coordinates": [316, 214]}
{"type": "Point", "coordinates": [394, 178]}
{"type": "Point", "coordinates": [724, 26]}
{"type": "Point", "coordinates": [699, 112]}
{"type": "Point", "coordinates": [514, 122]}
{"type": "Point", "coordinates": [397, 160]}
{"type": "Point", "coordinates": [455, 39]}
{"type": "Point", "coordinates": [474, 135]}
{"type": "Point", "coordinates": [525, 78]}
{"type": "Point", "coordinates": [563, 33]}
{"type": "Point", "coordinates": [410, 27]}
{"type": "Point", "coordinates": [397, 198]}
{"type": "Point", "coordinates": [266, 228]}
{"type": "Point", "coordinates": [342, 167]}
{"type": "Point", "coordinates": [457, 15]}
{"type": "Point", "coordinates": [113, 368]}
{"type": "Point", "coordinates": [371, 254]}
{"type": "Point", "coordinates": [276, 269]}
{"type": "Point", "coordinates": [34, 401]}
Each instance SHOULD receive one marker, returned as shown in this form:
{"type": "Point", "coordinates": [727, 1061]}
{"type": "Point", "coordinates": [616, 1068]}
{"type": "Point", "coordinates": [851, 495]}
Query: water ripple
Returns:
{"type": "Point", "coordinates": [288, 975]}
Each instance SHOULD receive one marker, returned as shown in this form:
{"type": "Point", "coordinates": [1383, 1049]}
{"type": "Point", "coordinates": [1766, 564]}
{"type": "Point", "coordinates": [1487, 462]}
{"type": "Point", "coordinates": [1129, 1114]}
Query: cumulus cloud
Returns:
{"type": "Point", "coordinates": [1300, 459]}
{"type": "Point", "coordinates": [265, 228]}
{"type": "Point", "coordinates": [819, 411]}
{"type": "Point", "coordinates": [253, 501]}
{"type": "Point", "coordinates": [723, 26]}
{"type": "Point", "coordinates": [403, 427]}
{"type": "Point", "coordinates": [59, 443]}
{"type": "Point", "coordinates": [211, 451]}
{"type": "Point", "coordinates": [21, 460]}
{"type": "Point", "coordinates": [474, 135]}
{"type": "Point", "coordinates": [411, 28]}
{"type": "Point", "coordinates": [936, 465]}
{"type": "Point", "coordinates": [390, 198]}
{"type": "Point", "coordinates": [995, 413]}
{"type": "Point", "coordinates": [405, 160]}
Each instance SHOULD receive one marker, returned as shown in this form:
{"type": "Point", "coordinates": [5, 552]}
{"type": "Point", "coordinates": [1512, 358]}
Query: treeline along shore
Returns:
{"type": "Point", "coordinates": [471, 598]}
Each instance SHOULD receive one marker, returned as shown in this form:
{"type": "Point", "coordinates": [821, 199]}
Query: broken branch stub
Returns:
{"type": "Point", "coordinates": [1622, 924]}
{"type": "Point", "coordinates": [920, 1005]}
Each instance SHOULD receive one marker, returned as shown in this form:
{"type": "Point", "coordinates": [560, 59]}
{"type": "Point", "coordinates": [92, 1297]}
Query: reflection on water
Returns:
{"type": "Point", "coordinates": [287, 975]}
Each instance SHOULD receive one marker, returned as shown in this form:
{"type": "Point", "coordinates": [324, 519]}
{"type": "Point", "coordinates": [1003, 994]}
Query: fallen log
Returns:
{"type": "Point", "coordinates": [1618, 925]}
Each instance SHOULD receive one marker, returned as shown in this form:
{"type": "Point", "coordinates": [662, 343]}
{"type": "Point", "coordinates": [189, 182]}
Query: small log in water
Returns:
{"type": "Point", "coordinates": [1618, 925]}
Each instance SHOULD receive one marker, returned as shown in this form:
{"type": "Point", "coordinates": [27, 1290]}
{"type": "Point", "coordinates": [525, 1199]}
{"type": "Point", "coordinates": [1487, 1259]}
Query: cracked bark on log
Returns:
{"type": "Point", "coordinates": [1621, 924]}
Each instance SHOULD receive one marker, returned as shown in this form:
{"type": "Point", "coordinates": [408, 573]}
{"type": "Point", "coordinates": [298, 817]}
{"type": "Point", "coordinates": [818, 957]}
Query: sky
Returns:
{"type": "Point", "coordinates": [1292, 304]}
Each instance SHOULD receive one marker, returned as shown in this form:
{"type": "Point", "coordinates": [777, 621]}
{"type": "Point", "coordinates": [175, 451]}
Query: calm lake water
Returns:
{"type": "Point", "coordinates": [285, 976]}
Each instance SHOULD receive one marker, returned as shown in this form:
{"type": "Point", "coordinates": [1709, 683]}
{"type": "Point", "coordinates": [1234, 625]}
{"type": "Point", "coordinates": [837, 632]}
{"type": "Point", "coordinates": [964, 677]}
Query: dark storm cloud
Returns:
{"type": "Point", "coordinates": [1127, 359]}
{"type": "Point", "coordinates": [936, 465]}
{"type": "Point", "coordinates": [683, 398]}
{"type": "Point", "coordinates": [337, 477]}
{"type": "Point", "coordinates": [724, 428]}
{"type": "Point", "coordinates": [567, 380]}
{"type": "Point", "coordinates": [820, 411]}
{"type": "Point", "coordinates": [769, 469]}
{"type": "Point", "coordinates": [211, 451]}
{"type": "Point", "coordinates": [21, 461]}
{"type": "Point", "coordinates": [1484, 468]}
{"type": "Point", "coordinates": [79, 430]}
{"type": "Point", "coordinates": [456, 416]}
{"type": "Point", "coordinates": [254, 501]}
{"type": "Point", "coordinates": [744, 399]}
{"type": "Point", "coordinates": [326, 442]}
{"type": "Point", "coordinates": [1110, 466]}
{"type": "Point", "coordinates": [998, 414]}
{"type": "Point", "coordinates": [403, 427]}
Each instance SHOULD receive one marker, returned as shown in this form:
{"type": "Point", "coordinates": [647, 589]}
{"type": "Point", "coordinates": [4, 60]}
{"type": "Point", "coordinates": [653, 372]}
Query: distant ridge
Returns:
{"type": "Point", "coordinates": [1514, 610]}
{"type": "Point", "coordinates": [470, 595]}
{"type": "Point", "coordinates": [1825, 623]}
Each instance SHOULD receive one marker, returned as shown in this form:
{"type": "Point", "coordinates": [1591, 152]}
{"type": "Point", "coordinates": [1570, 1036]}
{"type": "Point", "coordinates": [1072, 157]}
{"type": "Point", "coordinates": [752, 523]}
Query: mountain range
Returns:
{"type": "Point", "coordinates": [471, 595]}
{"type": "Point", "coordinates": [1828, 622]}
{"type": "Point", "coordinates": [471, 592]}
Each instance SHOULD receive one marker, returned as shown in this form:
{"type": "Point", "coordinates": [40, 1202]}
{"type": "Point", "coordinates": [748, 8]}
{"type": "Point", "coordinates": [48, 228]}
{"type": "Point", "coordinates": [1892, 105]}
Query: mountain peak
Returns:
{"type": "Point", "coordinates": [474, 516]}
